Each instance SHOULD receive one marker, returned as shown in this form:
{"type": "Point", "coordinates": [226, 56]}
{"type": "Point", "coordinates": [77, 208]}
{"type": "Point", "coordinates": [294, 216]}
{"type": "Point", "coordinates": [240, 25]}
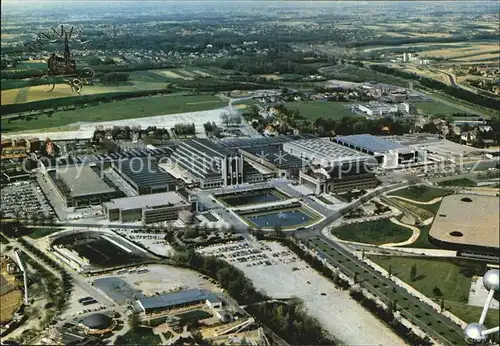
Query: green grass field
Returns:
{"type": "Point", "coordinates": [474, 109]}
{"type": "Point", "coordinates": [126, 109]}
{"type": "Point", "coordinates": [373, 232]}
{"type": "Point", "coordinates": [139, 336]}
{"type": "Point", "coordinates": [452, 277]}
{"type": "Point", "coordinates": [42, 232]}
{"type": "Point", "coordinates": [464, 182]}
{"type": "Point", "coordinates": [421, 193]}
{"type": "Point", "coordinates": [423, 213]}
{"type": "Point", "coordinates": [471, 314]}
{"type": "Point", "coordinates": [437, 108]}
{"type": "Point", "coordinates": [312, 110]}
{"type": "Point", "coordinates": [422, 241]}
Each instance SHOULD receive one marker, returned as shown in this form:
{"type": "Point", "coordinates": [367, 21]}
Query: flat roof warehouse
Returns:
{"type": "Point", "coordinates": [83, 181]}
{"type": "Point", "coordinates": [145, 201]}
{"type": "Point", "coordinates": [145, 173]}
{"type": "Point", "coordinates": [174, 299]}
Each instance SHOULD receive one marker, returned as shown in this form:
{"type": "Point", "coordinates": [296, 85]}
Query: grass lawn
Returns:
{"type": "Point", "coordinates": [42, 232]}
{"type": "Point", "coordinates": [471, 107]}
{"type": "Point", "coordinates": [312, 110]}
{"type": "Point", "coordinates": [421, 212]}
{"type": "Point", "coordinates": [139, 336]}
{"type": "Point", "coordinates": [422, 241]}
{"type": "Point", "coordinates": [451, 276]}
{"type": "Point", "coordinates": [373, 232]}
{"type": "Point", "coordinates": [421, 193]}
{"type": "Point", "coordinates": [464, 182]}
{"type": "Point", "coordinates": [471, 314]}
{"type": "Point", "coordinates": [126, 109]}
{"type": "Point", "coordinates": [437, 108]}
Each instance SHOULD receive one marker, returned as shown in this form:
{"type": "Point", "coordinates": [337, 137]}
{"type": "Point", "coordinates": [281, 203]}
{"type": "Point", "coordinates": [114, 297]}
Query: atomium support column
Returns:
{"type": "Point", "coordinates": [476, 333]}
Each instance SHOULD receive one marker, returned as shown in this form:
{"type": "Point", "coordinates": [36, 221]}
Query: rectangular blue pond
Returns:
{"type": "Point", "coordinates": [282, 219]}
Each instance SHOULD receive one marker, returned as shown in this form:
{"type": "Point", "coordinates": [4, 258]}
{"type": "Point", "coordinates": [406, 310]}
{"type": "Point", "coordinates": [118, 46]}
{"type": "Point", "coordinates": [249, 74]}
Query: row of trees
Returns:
{"type": "Point", "coordinates": [387, 315]}
{"type": "Point", "coordinates": [114, 77]}
{"type": "Point", "coordinates": [185, 129]}
{"type": "Point", "coordinates": [66, 279]}
{"type": "Point", "coordinates": [230, 278]}
{"type": "Point", "coordinates": [292, 323]}
{"type": "Point", "coordinates": [289, 118]}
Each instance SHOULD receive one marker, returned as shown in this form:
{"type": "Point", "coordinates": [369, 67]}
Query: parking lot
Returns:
{"type": "Point", "coordinates": [23, 199]}
{"type": "Point", "coordinates": [276, 270]}
{"type": "Point", "coordinates": [126, 285]}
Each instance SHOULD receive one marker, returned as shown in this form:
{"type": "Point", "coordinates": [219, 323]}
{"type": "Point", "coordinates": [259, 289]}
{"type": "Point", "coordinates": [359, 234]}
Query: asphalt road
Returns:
{"type": "Point", "coordinates": [412, 308]}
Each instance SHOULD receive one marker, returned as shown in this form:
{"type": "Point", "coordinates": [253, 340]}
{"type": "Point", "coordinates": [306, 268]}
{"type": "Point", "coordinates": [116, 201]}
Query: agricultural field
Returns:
{"type": "Point", "coordinates": [138, 80]}
{"type": "Point", "coordinates": [481, 57]}
{"type": "Point", "coordinates": [440, 278]}
{"type": "Point", "coordinates": [9, 96]}
{"type": "Point", "coordinates": [312, 110]}
{"type": "Point", "coordinates": [126, 109]}
{"type": "Point", "coordinates": [457, 52]}
{"type": "Point", "coordinates": [40, 92]}
{"type": "Point", "coordinates": [183, 73]}
{"type": "Point", "coordinates": [270, 76]}
{"type": "Point", "coordinates": [373, 232]}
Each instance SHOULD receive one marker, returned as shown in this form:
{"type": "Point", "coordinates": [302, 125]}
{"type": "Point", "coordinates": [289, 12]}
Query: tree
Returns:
{"type": "Point", "coordinates": [109, 61]}
{"type": "Point", "coordinates": [359, 127]}
{"type": "Point", "coordinates": [437, 291]}
{"type": "Point", "coordinates": [413, 272]}
{"type": "Point", "coordinates": [94, 61]}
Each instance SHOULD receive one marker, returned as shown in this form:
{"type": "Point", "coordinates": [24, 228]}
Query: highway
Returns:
{"type": "Point", "coordinates": [412, 308]}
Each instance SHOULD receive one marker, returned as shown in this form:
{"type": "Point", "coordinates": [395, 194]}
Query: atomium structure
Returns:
{"type": "Point", "coordinates": [477, 333]}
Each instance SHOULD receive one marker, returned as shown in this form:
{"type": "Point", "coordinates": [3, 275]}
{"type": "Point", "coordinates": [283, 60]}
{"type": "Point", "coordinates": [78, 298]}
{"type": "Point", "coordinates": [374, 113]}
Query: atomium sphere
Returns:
{"type": "Point", "coordinates": [474, 333]}
{"type": "Point", "coordinates": [491, 280]}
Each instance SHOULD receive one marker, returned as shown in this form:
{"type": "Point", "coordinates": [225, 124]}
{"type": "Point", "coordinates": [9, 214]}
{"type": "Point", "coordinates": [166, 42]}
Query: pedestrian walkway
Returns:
{"type": "Point", "coordinates": [435, 200]}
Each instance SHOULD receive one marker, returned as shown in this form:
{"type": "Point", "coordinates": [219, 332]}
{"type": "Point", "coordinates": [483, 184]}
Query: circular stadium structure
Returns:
{"type": "Point", "coordinates": [97, 323]}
